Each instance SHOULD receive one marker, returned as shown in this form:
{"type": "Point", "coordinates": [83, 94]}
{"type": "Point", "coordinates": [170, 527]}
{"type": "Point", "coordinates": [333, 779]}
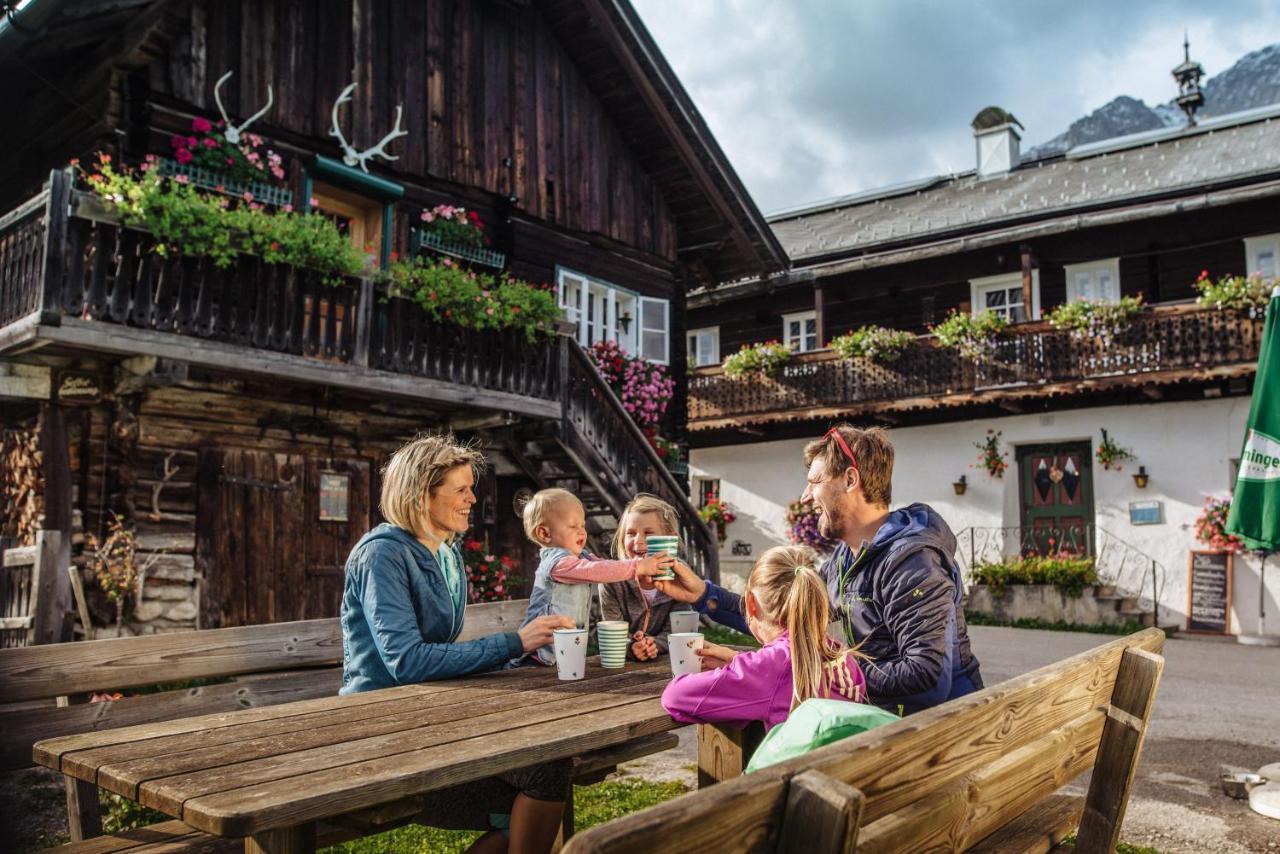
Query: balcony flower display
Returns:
{"type": "Point", "coordinates": [1096, 321]}
{"type": "Point", "coordinates": [1211, 527]}
{"type": "Point", "coordinates": [767, 359]}
{"type": "Point", "coordinates": [474, 300]}
{"type": "Point", "coordinates": [1110, 455]}
{"type": "Point", "coordinates": [206, 147]}
{"type": "Point", "coordinates": [488, 576]}
{"type": "Point", "coordinates": [718, 515]}
{"type": "Point", "coordinates": [876, 343]}
{"type": "Point", "coordinates": [1234, 292]}
{"type": "Point", "coordinates": [802, 527]}
{"type": "Point", "coordinates": [974, 337]}
{"type": "Point", "coordinates": [187, 221]}
{"type": "Point", "coordinates": [644, 387]}
{"type": "Point", "coordinates": [992, 455]}
{"type": "Point", "coordinates": [456, 225]}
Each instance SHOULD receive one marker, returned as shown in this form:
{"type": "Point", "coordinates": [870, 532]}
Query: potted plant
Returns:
{"type": "Point", "coordinates": [1110, 455]}
{"type": "Point", "coordinates": [765, 359]}
{"type": "Point", "coordinates": [1101, 322]}
{"type": "Point", "coordinates": [877, 343]}
{"type": "Point", "coordinates": [802, 527]}
{"type": "Point", "coordinates": [1234, 293]}
{"type": "Point", "coordinates": [974, 337]}
{"type": "Point", "coordinates": [114, 566]}
{"type": "Point", "coordinates": [1211, 527]}
{"type": "Point", "coordinates": [644, 387]}
{"type": "Point", "coordinates": [717, 515]}
{"type": "Point", "coordinates": [991, 455]}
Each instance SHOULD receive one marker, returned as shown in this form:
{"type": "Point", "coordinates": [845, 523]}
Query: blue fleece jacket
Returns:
{"type": "Point", "coordinates": [400, 623]}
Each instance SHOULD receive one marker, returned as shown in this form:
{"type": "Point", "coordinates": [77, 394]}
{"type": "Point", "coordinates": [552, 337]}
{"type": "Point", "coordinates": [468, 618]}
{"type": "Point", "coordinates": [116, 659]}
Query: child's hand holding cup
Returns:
{"type": "Point", "coordinates": [683, 648]}
{"type": "Point", "coordinates": [655, 566]}
{"type": "Point", "coordinates": [662, 544]}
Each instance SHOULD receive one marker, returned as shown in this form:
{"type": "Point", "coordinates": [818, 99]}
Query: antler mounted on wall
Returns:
{"type": "Point", "coordinates": [232, 133]}
{"type": "Point", "coordinates": [350, 156]}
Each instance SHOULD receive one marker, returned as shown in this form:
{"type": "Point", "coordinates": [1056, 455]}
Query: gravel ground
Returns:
{"type": "Point", "coordinates": [1218, 708]}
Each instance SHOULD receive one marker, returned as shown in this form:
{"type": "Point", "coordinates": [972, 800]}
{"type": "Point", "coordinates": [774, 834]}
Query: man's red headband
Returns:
{"type": "Point", "coordinates": [844, 446]}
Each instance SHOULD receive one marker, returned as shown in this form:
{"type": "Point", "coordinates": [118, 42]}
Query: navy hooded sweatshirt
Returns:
{"type": "Point", "coordinates": [901, 599]}
{"type": "Point", "coordinates": [400, 621]}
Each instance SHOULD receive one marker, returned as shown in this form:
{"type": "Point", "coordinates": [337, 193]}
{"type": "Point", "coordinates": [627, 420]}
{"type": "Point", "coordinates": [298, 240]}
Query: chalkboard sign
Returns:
{"type": "Point", "coordinates": [1209, 592]}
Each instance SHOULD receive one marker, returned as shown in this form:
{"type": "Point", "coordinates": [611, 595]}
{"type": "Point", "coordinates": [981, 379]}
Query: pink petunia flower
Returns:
{"type": "Point", "coordinates": [201, 125]}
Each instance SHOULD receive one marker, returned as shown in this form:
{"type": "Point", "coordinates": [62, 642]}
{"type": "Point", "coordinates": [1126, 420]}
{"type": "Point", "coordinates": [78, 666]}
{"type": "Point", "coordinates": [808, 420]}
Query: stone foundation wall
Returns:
{"type": "Point", "coordinates": [1043, 602]}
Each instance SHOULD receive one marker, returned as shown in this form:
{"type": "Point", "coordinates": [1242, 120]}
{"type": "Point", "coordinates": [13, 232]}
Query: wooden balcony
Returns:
{"type": "Point", "coordinates": [1168, 344]}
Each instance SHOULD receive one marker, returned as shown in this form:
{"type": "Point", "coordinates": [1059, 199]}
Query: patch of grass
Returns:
{"type": "Point", "coordinates": [728, 637]}
{"type": "Point", "coordinates": [1069, 844]}
{"type": "Point", "coordinates": [592, 805]}
{"type": "Point", "coordinates": [1128, 627]}
{"type": "Point", "coordinates": [120, 814]}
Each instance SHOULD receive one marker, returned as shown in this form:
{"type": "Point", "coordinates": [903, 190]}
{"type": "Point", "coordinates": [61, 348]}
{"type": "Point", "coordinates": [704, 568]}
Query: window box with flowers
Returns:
{"type": "Point", "coordinates": [974, 337]}
{"type": "Point", "coordinates": [766, 359]}
{"type": "Point", "coordinates": [718, 516]}
{"type": "Point", "coordinates": [206, 160]}
{"type": "Point", "coordinates": [1235, 293]}
{"type": "Point", "coordinates": [457, 232]}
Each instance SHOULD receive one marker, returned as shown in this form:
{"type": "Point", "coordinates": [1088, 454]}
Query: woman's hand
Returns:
{"type": "Point", "coordinates": [538, 632]}
{"type": "Point", "coordinates": [685, 587]}
{"type": "Point", "coordinates": [713, 655]}
{"type": "Point", "coordinates": [644, 647]}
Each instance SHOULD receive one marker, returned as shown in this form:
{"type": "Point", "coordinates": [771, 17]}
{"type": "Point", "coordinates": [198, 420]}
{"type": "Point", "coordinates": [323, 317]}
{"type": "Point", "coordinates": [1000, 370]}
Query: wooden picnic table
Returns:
{"type": "Point", "coordinates": [270, 774]}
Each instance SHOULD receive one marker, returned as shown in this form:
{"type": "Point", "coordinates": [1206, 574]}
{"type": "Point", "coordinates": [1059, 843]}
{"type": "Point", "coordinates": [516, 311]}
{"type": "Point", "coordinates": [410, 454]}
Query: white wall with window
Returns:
{"type": "Point", "coordinates": [1003, 295]}
{"type": "Point", "coordinates": [704, 346]}
{"type": "Point", "coordinates": [1262, 255]}
{"type": "Point", "coordinates": [1095, 281]}
{"type": "Point", "coordinates": [603, 312]}
{"type": "Point", "coordinates": [800, 331]}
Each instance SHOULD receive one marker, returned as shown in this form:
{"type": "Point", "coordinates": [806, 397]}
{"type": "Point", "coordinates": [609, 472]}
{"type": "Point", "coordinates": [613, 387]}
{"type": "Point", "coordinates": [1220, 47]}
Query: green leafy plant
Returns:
{"type": "Point", "coordinates": [1068, 572]}
{"type": "Point", "coordinates": [1102, 321]}
{"type": "Point", "coordinates": [1110, 455]}
{"type": "Point", "coordinates": [185, 221]}
{"type": "Point", "coordinates": [474, 300]}
{"type": "Point", "coordinates": [973, 336]}
{"type": "Point", "coordinates": [767, 359]}
{"type": "Point", "coordinates": [992, 455]}
{"type": "Point", "coordinates": [114, 565]}
{"type": "Point", "coordinates": [717, 514]}
{"type": "Point", "coordinates": [1234, 292]}
{"type": "Point", "coordinates": [877, 343]}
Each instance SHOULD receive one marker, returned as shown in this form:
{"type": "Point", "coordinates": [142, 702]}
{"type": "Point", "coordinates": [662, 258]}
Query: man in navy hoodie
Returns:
{"type": "Point", "coordinates": [893, 581]}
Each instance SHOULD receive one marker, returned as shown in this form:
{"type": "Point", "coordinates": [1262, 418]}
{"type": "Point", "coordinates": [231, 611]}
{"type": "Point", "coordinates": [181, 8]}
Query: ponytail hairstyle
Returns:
{"type": "Point", "coordinates": [791, 593]}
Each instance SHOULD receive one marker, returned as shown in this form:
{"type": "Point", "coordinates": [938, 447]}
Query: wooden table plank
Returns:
{"type": "Point", "coordinates": [254, 809]}
{"type": "Point", "coordinates": [82, 763]}
{"type": "Point", "coordinates": [335, 744]}
{"type": "Point", "coordinates": [169, 793]}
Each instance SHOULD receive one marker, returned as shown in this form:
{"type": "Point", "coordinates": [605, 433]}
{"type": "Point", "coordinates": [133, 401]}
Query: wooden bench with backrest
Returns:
{"type": "Point", "coordinates": [979, 773]}
{"type": "Point", "coordinates": [266, 664]}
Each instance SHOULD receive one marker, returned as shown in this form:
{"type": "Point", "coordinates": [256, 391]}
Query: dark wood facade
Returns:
{"type": "Point", "coordinates": [226, 396]}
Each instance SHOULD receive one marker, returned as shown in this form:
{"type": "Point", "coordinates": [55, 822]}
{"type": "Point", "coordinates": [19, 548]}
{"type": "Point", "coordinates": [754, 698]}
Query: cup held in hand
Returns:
{"type": "Point", "coordinates": [571, 653]}
{"type": "Point", "coordinates": [657, 544]}
{"type": "Point", "coordinates": [684, 648]}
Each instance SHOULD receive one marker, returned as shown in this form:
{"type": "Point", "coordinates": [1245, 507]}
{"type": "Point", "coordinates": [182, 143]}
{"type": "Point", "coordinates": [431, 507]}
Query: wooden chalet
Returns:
{"type": "Point", "coordinates": [238, 418]}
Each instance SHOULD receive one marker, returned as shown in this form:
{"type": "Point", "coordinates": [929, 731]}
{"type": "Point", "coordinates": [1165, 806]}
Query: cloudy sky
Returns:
{"type": "Point", "coordinates": [812, 99]}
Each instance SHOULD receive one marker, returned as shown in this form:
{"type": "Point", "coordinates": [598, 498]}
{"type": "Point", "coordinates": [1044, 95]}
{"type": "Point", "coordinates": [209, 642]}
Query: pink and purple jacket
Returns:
{"type": "Point", "coordinates": [755, 686]}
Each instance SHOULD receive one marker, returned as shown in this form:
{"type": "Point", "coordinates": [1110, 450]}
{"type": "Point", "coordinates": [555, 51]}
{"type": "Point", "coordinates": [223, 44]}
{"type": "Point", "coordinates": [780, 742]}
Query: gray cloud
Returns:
{"type": "Point", "coordinates": [817, 98]}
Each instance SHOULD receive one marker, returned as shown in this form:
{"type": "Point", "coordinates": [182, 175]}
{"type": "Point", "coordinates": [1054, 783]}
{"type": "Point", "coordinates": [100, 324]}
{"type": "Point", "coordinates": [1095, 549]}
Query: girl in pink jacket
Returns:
{"type": "Point", "coordinates": [787, 611]}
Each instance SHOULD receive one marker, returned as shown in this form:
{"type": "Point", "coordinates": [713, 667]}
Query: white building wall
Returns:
{"type": "Point", "coordinates": [1186, 447]}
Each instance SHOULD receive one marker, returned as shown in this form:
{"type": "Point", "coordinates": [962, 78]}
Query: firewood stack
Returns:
{"type": "Point", "coordinates": [22, 485]}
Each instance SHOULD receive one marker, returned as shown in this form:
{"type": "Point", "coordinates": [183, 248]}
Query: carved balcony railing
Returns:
{"type": "Point", "coordinates": [1170, 340]}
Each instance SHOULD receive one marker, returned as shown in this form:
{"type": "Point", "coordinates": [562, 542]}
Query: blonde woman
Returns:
{"type": "Point", "coordinates": [403, 605]}
{"type": "Point", "coordinates": [786, 610]}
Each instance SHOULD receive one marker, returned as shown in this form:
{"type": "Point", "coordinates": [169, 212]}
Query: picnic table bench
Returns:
{"type": "Point", "coordinates": [980, 773]}
{"type": "Point", "coordinates": [282, 712]}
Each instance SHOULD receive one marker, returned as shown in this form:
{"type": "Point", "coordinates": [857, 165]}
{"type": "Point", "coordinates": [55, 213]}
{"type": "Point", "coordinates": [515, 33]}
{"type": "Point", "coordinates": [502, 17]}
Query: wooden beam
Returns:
{"type": "Point", "coordinates": [215, 355]}
{"type": "Point", "coordinates": [723, 751]}
{"type": "Point", "coordinates": [822, 815]}
{"type": "Point", "coordinates": [1122, 736]}
{"type": "Point", "coordinates": [819, 313]}
{"type": "Point", "coordinates": [84, 814]}
{"type": "Point", "coordinates": [1027, 291]}
{"type": "Point", "coordinates": [1037, 831]}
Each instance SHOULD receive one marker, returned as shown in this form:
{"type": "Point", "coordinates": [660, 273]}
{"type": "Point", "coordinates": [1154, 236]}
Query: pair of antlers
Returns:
{"type": "Point", "coordinates": [350, 155]}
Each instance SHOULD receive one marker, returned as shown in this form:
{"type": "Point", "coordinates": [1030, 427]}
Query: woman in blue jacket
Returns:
{"type": "Point", "coordinates": [402, 610]}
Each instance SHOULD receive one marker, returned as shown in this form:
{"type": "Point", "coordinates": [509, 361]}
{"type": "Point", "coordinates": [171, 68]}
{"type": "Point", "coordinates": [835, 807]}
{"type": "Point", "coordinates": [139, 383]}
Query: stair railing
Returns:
{"type": "Point", "coordinates": [1119, 563]}
{"type": "Point", "coordinates": [607, 445]}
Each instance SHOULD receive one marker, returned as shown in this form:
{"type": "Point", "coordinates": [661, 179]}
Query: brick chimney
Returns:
{"type": "Point", "coordinates": [996, 141]}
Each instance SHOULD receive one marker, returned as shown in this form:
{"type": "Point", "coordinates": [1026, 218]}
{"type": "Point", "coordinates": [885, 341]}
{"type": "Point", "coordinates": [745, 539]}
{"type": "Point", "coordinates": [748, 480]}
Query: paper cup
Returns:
{"type": "Point", "coordinates": [684, 622]}
{"type": "Point", "coordinates": [571, 653]}
{"type": "Point", "coordinates": [663, 544]}
{"type": "Point", "coordinates": [613, 637]}
{"type": "Point", "coordinates": [684, 656]}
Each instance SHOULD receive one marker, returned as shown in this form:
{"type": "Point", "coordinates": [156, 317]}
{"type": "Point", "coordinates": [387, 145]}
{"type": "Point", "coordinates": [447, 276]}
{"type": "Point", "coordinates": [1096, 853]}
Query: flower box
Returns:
{"type": "Point", "coordinates": [206, 179]}
{"type": "Point", "coordinates": [420, 240]}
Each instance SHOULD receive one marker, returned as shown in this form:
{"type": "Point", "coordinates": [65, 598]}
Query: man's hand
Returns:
{"type": "Point", "coordinates": [685, 587]}
{"type": "Point", "coordinates": [644, 647]}
{"type": "Point", "coordinates": [538, 632]}
{"type": "Point", "coordinates": [713, 655]}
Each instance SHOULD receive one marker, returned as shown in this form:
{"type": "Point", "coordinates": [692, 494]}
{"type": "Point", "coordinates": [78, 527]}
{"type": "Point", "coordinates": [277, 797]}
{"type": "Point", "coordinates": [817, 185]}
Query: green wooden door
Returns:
{"type": "Point", "coordinates": [1056, 487]}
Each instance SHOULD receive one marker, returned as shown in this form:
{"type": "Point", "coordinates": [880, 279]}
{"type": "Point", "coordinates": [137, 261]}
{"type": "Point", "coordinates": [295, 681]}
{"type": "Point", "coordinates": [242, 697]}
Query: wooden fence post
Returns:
{"type": "Point", "coordinates": [55, 238]}
{"type": "Point", "coordinates": [364, 324]}
{"type": "Point", "coordinates": [822, 815]}
{"type": "Point", "coordinates": [1118, 750]}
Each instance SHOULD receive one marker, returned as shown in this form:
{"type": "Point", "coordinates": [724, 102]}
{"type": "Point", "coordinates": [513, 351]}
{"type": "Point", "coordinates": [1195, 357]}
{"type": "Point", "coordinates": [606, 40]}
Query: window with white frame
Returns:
{"type": "Point", "coordinates": [603, 312]}
{"type": "Point", "coordinates": [800, 331]}
{"type": "Point", "coordinates": [1262, 255]}
{"type": "Point", "coordinates": [704, 346]}
{"type": "Point", "coordinates": [1003, 295]}
{"type": "Point", "coordinates": [1095, 281]}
